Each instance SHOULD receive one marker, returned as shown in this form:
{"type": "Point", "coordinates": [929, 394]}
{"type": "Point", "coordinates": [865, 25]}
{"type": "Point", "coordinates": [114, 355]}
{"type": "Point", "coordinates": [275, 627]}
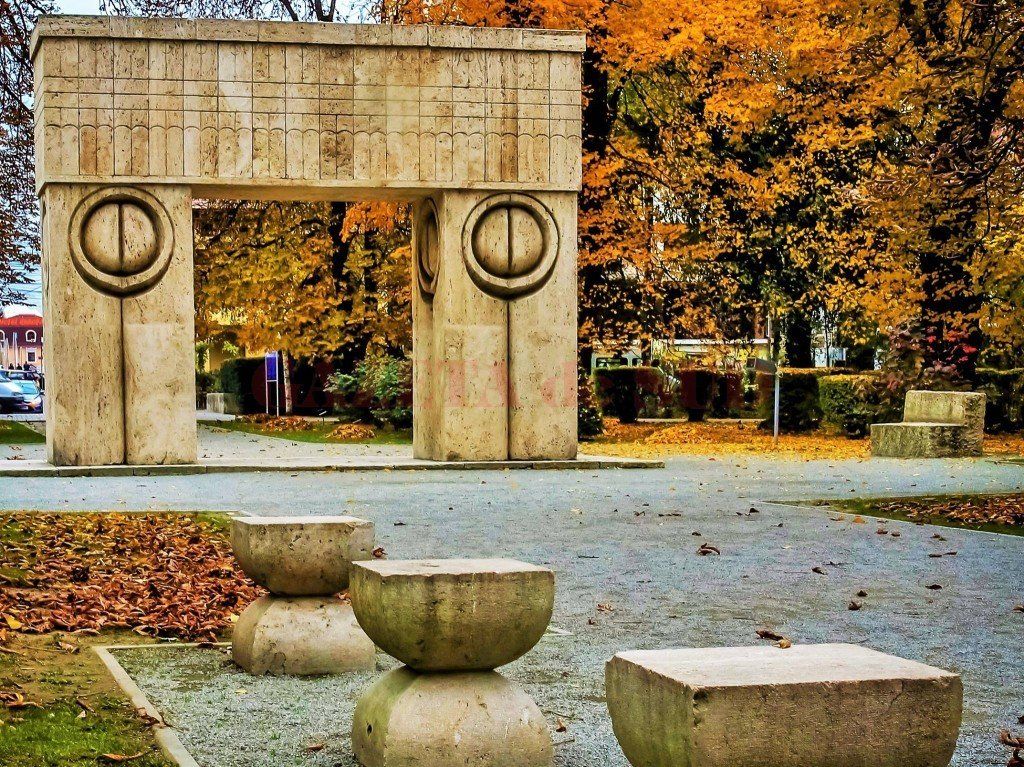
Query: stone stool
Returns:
{"type": "Point", "coordinates": [452, 622]}
{"type": "Point", "coordinates": [806, 706]}
{"type": "Point", "coordinates": [302, 628]}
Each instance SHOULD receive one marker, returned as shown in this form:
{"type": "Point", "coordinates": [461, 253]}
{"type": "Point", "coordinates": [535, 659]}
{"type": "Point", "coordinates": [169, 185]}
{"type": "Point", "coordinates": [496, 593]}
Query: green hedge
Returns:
{"type": "Point", "coordinates": [1004, 389]}
{"type": "Point", "coordinates": [798, 400]}
{"type": "Point", "coordinates": [588, 409]}
{"type": "Point", "coordinates": [848, 403]}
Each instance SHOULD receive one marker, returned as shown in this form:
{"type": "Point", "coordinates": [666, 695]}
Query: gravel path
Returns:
{"type": "Point", "coordinates": [626, 539]}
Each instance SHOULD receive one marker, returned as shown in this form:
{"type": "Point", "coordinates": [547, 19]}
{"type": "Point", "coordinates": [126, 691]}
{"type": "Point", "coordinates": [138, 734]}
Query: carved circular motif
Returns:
{"type": "Point", "coordinates": [428, 249]}
{"type": "Point", "coordinates": [121, 240]}
{"type": "Point", "coordinates": [510, 245]}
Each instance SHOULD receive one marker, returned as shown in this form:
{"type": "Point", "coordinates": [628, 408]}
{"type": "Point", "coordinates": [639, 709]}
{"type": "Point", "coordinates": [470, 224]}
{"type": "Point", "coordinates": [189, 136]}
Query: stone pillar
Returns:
{"type": "Point", "coordinates": [119, 313]}
{"type": "Point", "coordinates": [494, 326]}
{"type": "Point", "coordinates": [303, 627]}
{"type": "Point", "coordinates": [452, 622]}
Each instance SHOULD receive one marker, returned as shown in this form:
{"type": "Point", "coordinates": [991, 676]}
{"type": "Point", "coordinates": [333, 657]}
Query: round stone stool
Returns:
{"type": "Point", "coordinates": [451, 622]}
{"type": "Point", "coordinates": [302, 628]}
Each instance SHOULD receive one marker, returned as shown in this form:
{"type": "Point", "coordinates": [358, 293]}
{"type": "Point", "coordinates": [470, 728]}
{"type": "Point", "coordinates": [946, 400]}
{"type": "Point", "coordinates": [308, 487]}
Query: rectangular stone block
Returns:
{"type": "Point", "coordinates": [806, 706]}
{"type": "Point", "coordinates": [542, 353]}
{"type": "Point", "coordinates": [923, 440]}
{"type": "Point", "coordinates": [181, 105]}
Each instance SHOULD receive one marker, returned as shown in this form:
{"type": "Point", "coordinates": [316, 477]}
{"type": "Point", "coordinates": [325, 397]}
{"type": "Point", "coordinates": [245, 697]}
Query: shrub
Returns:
{"type": "Point", "coordinates": [848, 402]}
{"type": "Point", "coordinates": [205, 382]}
{"type": "Point", "coordinates": [379, 388]}
{"type": "Point", "coordinates": [1004, 410]}
{"type": "Point", "coordinates": [798, 400]}
{"type": "Point", "coordinates": [588, 412]}
{"type": "Point", "coordinates": [727, 397]}
{"type": "Point", "coordinates": [623, 392]}
{"type": "Point", "coordinates": [696, 392]}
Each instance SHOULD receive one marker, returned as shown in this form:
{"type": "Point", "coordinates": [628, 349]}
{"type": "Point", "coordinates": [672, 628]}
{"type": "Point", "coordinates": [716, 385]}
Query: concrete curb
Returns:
{"type": "Point", "coordinates": [166, 736]}
{"type": "Point", "coordinates": [43, 469]}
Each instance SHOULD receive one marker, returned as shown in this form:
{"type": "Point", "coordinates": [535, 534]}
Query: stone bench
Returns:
{"type": "Point", "coordinates": [936, 424]}
{"type": "Point", "coordinates": [806, 706]}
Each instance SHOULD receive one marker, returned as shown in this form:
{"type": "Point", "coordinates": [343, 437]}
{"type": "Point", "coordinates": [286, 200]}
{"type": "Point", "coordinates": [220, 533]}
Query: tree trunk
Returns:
{"type": "Point", "coordinates": [799, 336]}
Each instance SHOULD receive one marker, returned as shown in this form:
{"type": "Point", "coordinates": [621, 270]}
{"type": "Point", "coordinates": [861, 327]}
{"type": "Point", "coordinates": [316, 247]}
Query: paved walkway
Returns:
{"type": "Point", "coordinates": [629, 539]}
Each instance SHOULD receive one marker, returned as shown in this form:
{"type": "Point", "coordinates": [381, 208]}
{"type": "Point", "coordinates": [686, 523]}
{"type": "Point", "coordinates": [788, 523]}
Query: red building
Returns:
{"type": "Point", "coordinates": [21, 341]}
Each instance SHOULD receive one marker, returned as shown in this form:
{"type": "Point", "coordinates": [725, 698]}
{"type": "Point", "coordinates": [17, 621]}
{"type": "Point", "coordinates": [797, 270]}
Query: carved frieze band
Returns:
{"type": "Point", "coordinates": [274, 111]}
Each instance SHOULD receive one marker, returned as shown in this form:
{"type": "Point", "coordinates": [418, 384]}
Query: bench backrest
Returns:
{"type": "Point", "coordinates": [967, 408]}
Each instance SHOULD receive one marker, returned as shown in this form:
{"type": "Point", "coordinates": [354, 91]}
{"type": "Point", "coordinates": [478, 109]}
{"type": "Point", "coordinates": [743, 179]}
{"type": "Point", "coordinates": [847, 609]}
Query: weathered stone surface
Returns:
{"type": "Point", "coordinates": [967, 408]}
{"type": "Point", "coordinates": [450, 118]}
{"type": "Point", "coordinates": [495, 337]}
{"type": "Point", "coordinates": [305, 110]}
{"type": "Point", "coordinates": [301, 556]}
{"type": "Point", "coordinates": [300, 636]}
{"type": "Point", "coordinates": [222, 402]}
{"type": "Point", "coordinates": [159, 352]}
{"type": "Point", "coordinates": [922, 440]}
{"type": "Point", "coordinates": [407, 719]}
{"type": "Point", "coordinates": [936, 424]}
{"type": "Point", "coordinates": [453, 614]}
{"type": "Point", "coordinates": [806, 706]}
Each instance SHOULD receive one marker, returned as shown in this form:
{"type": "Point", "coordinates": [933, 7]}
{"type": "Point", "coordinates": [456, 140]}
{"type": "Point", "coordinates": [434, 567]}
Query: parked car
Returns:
{"type": "Point", "coordinates": [33, 396]}
{"type": "Point", "coordinates": [12, 398]}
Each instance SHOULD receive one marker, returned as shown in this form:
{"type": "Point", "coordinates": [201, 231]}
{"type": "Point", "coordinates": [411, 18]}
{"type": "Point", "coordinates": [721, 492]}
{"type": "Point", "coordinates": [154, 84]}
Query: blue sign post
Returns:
{"type": "Point", "coordinates": [271, 368]}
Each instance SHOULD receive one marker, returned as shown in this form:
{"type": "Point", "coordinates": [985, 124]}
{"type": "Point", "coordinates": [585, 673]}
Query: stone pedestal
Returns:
{"type": "Point", "coordinates": [806, 706]}
{"type": "Point", "coordinates": [303, 628]}
{"type": "Point", "coordinates": [451, 622]}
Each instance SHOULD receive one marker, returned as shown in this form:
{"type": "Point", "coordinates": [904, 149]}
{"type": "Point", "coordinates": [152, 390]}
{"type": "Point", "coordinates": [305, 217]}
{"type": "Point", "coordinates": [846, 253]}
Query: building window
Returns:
{"type": "Point", "coordinates": [31, 356]}
{"type": "Point", "coordinates": [30, 336]}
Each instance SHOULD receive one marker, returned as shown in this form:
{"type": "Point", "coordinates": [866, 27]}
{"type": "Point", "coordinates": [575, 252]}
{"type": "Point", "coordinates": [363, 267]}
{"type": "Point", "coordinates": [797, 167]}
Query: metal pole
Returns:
{"type": "Point", "coordinates": [775, 425]}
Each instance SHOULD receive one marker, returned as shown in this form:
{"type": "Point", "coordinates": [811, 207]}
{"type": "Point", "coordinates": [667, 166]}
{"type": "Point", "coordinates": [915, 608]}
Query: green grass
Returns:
{"type": "Point", "coordinates": [16, 433]}
{"type": "Point", "coordinates": [318, 434]}
{"type": "Point", "coordinates": [55, 736]}
{"type": "Point", "coordinates": [873, 507]}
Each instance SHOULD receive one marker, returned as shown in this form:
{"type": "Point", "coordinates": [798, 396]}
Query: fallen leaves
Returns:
{"type": "Point", "coordinates": [653, 439]}
{"type": "Point", "coordinates": [117, 758]}
{"type": "Point", "coordinates": [706, 548]}
{"type": "Point", "coordinates": [965, 510]}
{"type": "Point", "coordinates": [352, 431]}
{"type": "Point", "coordinates": [16, 701]}
{"type": "Point", "coordinates": [1014, 742]}
{"type": "Point", "coordinates": [156, 574]}
{"type": "Point", "coordinates": [783, 643]}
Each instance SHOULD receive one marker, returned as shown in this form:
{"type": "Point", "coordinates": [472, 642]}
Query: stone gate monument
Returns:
{"type": "Point", "coordinates": [478, 127]}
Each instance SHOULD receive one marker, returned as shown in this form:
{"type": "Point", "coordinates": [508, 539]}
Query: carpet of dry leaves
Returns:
{"type": "Point", "coordinates": [349, 432]}
{"type": "Point", "coordinates": [647, 440]}
{"type": "Point", "coordinates": [168, 575]}
{"type": "Point", "coordinates": [966, 510]}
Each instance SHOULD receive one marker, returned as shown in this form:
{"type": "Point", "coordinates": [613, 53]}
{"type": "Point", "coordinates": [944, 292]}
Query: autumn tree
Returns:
{"type": "Point", "coordinates": [19, 231]}
{"type": "Point", "coordinates": [952, 83]}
